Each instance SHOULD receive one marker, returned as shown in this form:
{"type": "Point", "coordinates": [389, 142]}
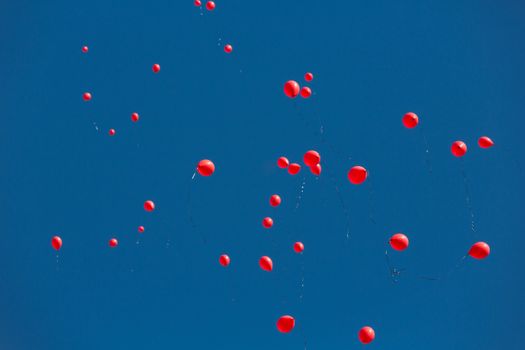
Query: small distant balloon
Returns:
{"type": "Point", "coordinates": [275, 200]}
{"type": "Point", "coordinates": [267, 222]}
{"type": "Point", "coordinates": [228, 48]}
{"type": "Point", "coordinates": [399, 242]}
{"type": "Point", "coordinates": [210, 6]}
{"type": "Point", "coordinates": [311, 158]}
{"type": "Point", "coordinates": [410, 120]}
{"type": "Point", "coordinates": [224, 260]}
{"type": "Point", "coordinates": [306, 92]}
{"type": "Point", "coordinates": [479, 250]}
{"type": "Point", "coordinates": [298, 247]}
{"type": "Point", "coordinates": [135, 117]}
{"type": "Point", "coordinates": [294, 168]}
{"type": "Point", "coordinates": [366, 335]}
{"type": "Point", "coordinates": [56, 242]}
{"type": "Point", "coordinates": [141, 229]}
{"type": "Point", "coordinates": [485, 142]}
{"type": "Point", "coordinates": [86, 96]}
{"type": "Point", "coordinates": [357, 175]}
{"type": "Point", "coordinates": [285, 324]}
{"type": "Point", "coordinates": [149, 205]}
{"type": "Point", "coordinates": [316, 169]}
{"type": "Point", "coordinates": [113, 242]}
{"type": "Point", "coordinates": [283, 162]}
{"type": "Point", "coordinates": [205, 167]}
{"type": "Point", "coordinates": [85, 49]}
{"type": "Point", "coordinates": [156, 68]}
{"type": "Point", "coordinates": [308, 76]}
{"type": "Point", "coordinates": [112, 132]}
{"type": "Point", "coordinates": [458, 148]}
{"type": "Point", "coordinates": [197, 3]}
{"type": "Point", "coordinates": [266, 263]}
{"type": "Point", "coordinates": [291, 89]}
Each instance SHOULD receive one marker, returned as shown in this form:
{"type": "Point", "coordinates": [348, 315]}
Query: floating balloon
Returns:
{"type": "Point", "coordinates": [316, 169]}
{"type": "Point", "coordinates": [485, 142]}
{"type": "Point", "coordinates": [275, 200]}
{"type": "Point", "coordinates": [197, 3]}
{"type": "Point", "coordinates": [399, 242]}
{"type": "Point", "coordinates": [224, 260]}
{"type": "Point", "coordinates": [112, 132]}
{"type": "Point", "coordinates": [206, 167]}
{"type": "Point", "coordinates": [285, 324]}
{"type": "Point", "coordinates": [479, 250]}
{"type": "Point", "coordinates": [266, 263]}
{"type": "Point", "coordinates": [283, 162]}
{"type": "Point", "coordinates": [228, 48]}
{"type": "Point", "coordinates": [298, 247]}
{"type": "Point", "coordinates": [410, 120]}
{"type": "Point", "coordinates": [135, 117]}
{"type": "Point", "coordinates": [357, 175]}
{"type": "Point", "coordinates": [458, 148]}
{"type": "Point", "coordinates": [210, 5]}
{"type": "Point", "coordinates": [308, 76]}
{"type": "Point", "coordinates": [149, 206]}
{"type": "Point", "coordinates": [267, 222]}
{"type": "Point", "coordinates": [85, 49]}
{"type": "Point", "coordinates": [141, 229]}
{"type": "Point", "coordinates": [291, 88]}
{"type": "Point", "coordinates": [86, 96]}
{"type": "Point", "coordinates": [294, 169]}
{"type": "Point", "coordinates": [156, 68]}
{"type": "Point", "coordinates": [366, 335]}
{"type": "Point", "coordinates": [56, 242]}
{"type": "Point", "coordinates": [311, 158]}
{"type": "Point", "coordinates": [306, 92]}
{"type": "Point", "coordinates": [113, 242]}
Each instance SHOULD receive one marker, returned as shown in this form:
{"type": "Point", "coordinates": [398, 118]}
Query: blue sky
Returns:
{"type": "Point", "coordinates": [459, 66]}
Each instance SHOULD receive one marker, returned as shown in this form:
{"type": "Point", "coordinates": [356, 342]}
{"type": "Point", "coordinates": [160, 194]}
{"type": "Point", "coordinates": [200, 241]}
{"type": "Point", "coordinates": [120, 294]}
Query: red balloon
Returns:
{"type": "Point", "coordinates": [135, 117]}
{"type": "Point", "coordinates": [266, 263]}
{"type": "Point", "coordinates": [311, 158]}
{"type": "Point", "coordinates": [85, 49]}
{"type": "Point", "coordinates": [294, 169]}
{"type": "Point", "coordinates": [112, 132]}
{"type": "Point", "coordinates": [410, 120]}
{"type": "Point", "coordinates": [485, 142]}
{"type": "Point", "coordinates": [197, 3]}
{"type": "Point", "coordinates": [113, 242]}
{"type": "Point", "coordinates": [149, 206]}
{"type": "Point", "coordinates": [298, 247]}
{"type": "Point", "coordinates": [283, 162]}
{"type": "Point", "coordinates": [86, 96]}
{"type": "Point", "coordinates": [210, 5]}
{"type": "Point", "coordinates": [224, 260]}
{"type": "Point", "coordinates": [399, 242]}
{"type": "Point", "coordinates": [56, 242]}
{"type": "Point", "coordinates": [141, 229]}
{"type": "Point", "coordinates": [459, 148]}
{"type": "Point", "coordinates": [306, 92]}
{"type": "Point", "coordinates": [285, 324]}
{"type": "Point", "coordinates": [291, 88]}
{"type": "Point", "coordinates": [479, 250]}
{"type": "Point", "coordinates": [206, 167]}
{"type": "Point", "coordinates": [156, 68]}
{"type": "Point", "coordinates": [267, 222]}
{"type": "Point", "coordinates": [366, 335]}
{"type": "Point", "coordinates": [275, 200]}
{"type": "Point", "coordinates": [228, 48]}
{"type": "Point", "coordinates": [316, 169]}
{"type": "Point", "coordinates": [357, 175]}
{"type": "Point", "coordinates": [308, 76]}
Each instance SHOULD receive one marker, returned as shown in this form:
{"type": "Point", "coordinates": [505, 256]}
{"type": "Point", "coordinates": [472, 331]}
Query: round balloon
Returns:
{"type": "Point", "coordinates": [366, 335]}
{"type": "Point", "coordinates": [266, 263]}
{"type": "Point", "coordinates": [308, 76]}
{"type": "Point", "coordinates": [410, 120]}
{"type": "Point", "coordinates": [275, 200]}
{"type": "Point", "coordinates": [311, 158]}
{"type": "Point", "coordinates": [224, 260]}
{"type": "Point", "coordinates": [210, 5]}
{"type": "Point", "coordinates": [141, 229]}
{"type": "Point", "coordinates": [228, 48]}
{"type": "Point", "coordinates": [112, 132]}
{"type": "Point", "coordinates": [399, 242]}
{"type": "Point", "coordinates": [197, 3]}
{"type": "Point", "coordinates": [298, 247]}
{"type": "Point", "coordinates": [56, 242]}
{"type": "Point", "coordinates": [113, 242]}
{"type": "Point", "coordinates": [85, 49]}
{"type": "Point", "coordinates": [285, 324]}
{"type": "Point", "coordinates": [458, 148]}
{"type": "Point", "coordinates": [316, 169]}
{"type": "Point", "coordinates": [291, 89]}
{"type": "Point", "coordinates": [86, 96]}
{"type": "Point", "coordinates": [294, 169]}
{"type": "Point", "coordinates": [479, 250]}
{"type": "Point", "coordinates": [283, 162]}
{"type": "Point", "coordinates": [485, 142]}
{"type": "Point", "coordinates": [135, 117]}
{"type": "Point", "coordinates": [357, 175]}
{"type": "Point", "coordinates": [156, 68]}
{"type": "Point", "coordinates": [149, 205]}
{"type": "Point", "coordinates": [267, 222]}
{"type": "Point", "coordinates": [306, 92]}
{"type": "Point", "coordinates": [206, 167]}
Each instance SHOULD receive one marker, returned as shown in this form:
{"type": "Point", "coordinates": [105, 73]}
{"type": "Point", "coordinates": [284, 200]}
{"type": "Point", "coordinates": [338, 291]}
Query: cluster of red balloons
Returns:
{"type": "Point", "coordinates": [312, 159]}
{"type": "Point", "coordinates": [292, 89]}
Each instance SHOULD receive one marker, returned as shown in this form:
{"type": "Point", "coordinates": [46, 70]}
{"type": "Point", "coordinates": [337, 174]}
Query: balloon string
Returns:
{"type": "Point", "coordinates": [395, 273]}
{"type": "Point", "coordinates": [427, 152]}
{"type": "Point", "coordinates": [300, 195]}
{"type": "Point", "coordinates": [467, 196]}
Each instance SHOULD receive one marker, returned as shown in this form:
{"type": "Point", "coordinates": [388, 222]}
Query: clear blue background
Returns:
{"type": "Point", "coordinates": [458, 64]}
